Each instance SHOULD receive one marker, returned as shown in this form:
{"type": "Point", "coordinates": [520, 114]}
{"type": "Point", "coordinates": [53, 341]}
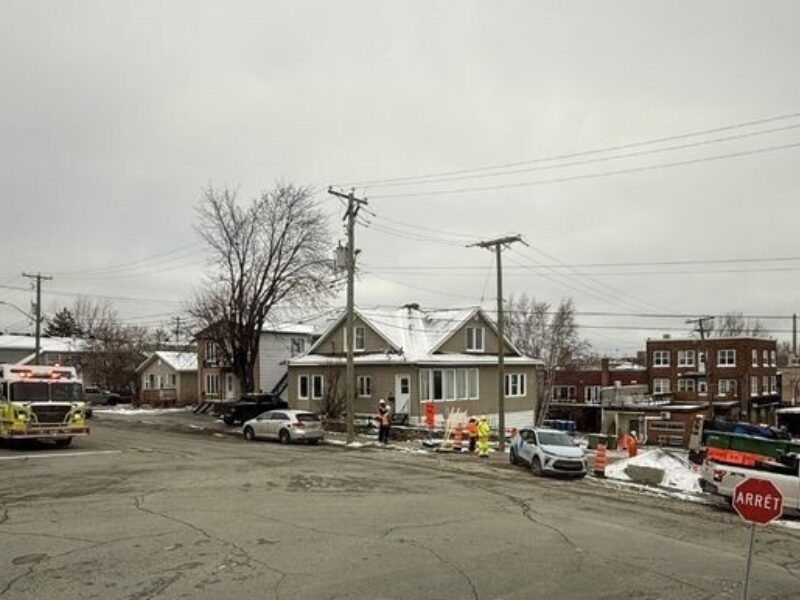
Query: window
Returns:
{"type": "Point", "coordinates": [358, 333]}
{"type": "Point", "coordinates": [364, 386]}
{"type": "Point", "coordinates": [727, 387]}
{"type": "Point", "coordinates": [591, 394]}
{"type": "Point", "coordinates": [773, 358]}
{"type": "Point", "coordinates": [150, 382]}
{"type": "Point", "coordinates": [564, 392]}
{"type": "Point", "coordinates": [212, 383]}
{"type": "Point", "coordinates": [773, 384]}
{"type": "Point", "coordinates": [661, 386]}
{"type": "Point", "coordinates": [754, 386]}
{"type": "Point", "coordinates": [298, 346]}
{"type": "Point", "coordinates": [687, 385]}
{"type": "Point", "coordinates": [475, 339]}
{"type": "Point", "coordinates": [515, 384]}
{"type": "Point", "coordinates": [726, 358]}
{"type": "Point", "coordinates": [661, 358]}
{"type": "Point", "coordinates": [754, 356]}
{"type": "Point", "coordinates": [317, 386]}
{"type": "Point", "coordinates": [671, 426]}
{"type": "Point", "coordinates": [173, 380]}
{"type": "Point", "coordinates": [765, 357]}
{"type": "Point", "coordinates": [702, 387]}
{"type": "Point", "coordinates": [765, 385]}
{"type": "Point", "coordinates": [685, 358]}
{"type": "Point", "coordinates": [302, 387]}
{"type": "Point", "coordinates": [448, 384]}
{"type": "Point", "coordinates": [210, 352]}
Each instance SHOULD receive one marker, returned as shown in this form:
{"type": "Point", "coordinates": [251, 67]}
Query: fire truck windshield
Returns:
{"type": "Point", "coordinates": [31, 391]}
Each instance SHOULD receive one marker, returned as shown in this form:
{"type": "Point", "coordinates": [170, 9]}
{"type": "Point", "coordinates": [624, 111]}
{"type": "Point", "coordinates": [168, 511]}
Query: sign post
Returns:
{"type": "Point", "coordinates": [757, 501]}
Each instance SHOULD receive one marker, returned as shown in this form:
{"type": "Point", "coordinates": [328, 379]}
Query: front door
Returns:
{"type": "Point", "coordinates": [402, 393]}
{"type": "Point", "coordinates": [230, 387]}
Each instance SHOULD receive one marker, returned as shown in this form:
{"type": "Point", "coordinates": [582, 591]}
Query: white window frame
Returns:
{"type": "Point", "coordinates": [773, 358]}
{"type": "Point", "coordinates": [572, 392]}
{"type": "Point", "coordinates": [317, 379]}
{"type": "Point", "coordinates": [359, 333]}
{"type": "Point", "coordinates": [726, 358]}
{"type": "Point", "coordinates": [754, 357]}
{"type": "Point", "coordinates": [515, 385]}
{"type": "Point", "coordinates": [303, 381]}
{"type": "Point", "coordinates": [727, 387]}
{"type": "Point", "coordinates": [424, 385]}
{"type": "Point", "coordinates": [212, 384]}
{"type": "Point", "coordinates": [173, 380]}
{"type": "Point", "coordinates": [765, 357]}
{"type": "Point", "coordinates": [456, 384]}
{"type": "Point", "coordinates": [591, 394]}
{"type": "Point", "coordinates": [702, 386]}
{"type": "Point", "coordinates": [462, 384]}
{"type": "Point", "coordinates": [660, 358]}
{"type": "Point", "coordinates": [687, 384]}
{"type": "Point", "coordinates": [773, 384]}
{"type": "Point", "coordinates": [661, 385]}
{"type": "Point", "coordinates": [473, 384]}
{"type": "Point", "coordinates": [754, 385]}
{"type": "Point", "coordinates": [364, 386]}
{"type": "Point", "coordinates": [297, 346]}
{"type": "Point", "coordinates": [210, 351]}
{"type": "Point", "coordinates": [686, 358]}
{"type": "Point", "coordinates": [765, 385]}
{"type": "Point", "coordinates": [473, 336]}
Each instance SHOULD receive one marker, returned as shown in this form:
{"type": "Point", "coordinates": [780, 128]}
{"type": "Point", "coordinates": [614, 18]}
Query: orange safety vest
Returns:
{"type": "Point", "coordinates": [472, 429]}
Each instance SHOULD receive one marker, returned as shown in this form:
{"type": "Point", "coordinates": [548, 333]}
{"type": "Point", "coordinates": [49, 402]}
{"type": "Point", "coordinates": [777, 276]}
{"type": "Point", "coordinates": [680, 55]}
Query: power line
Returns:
{"type": "Point", "coordinates": [581, 153]}
{"type": "Point", "coordinates": [587, 176]}
{"type": "Point", "coordinates": [129, 264]}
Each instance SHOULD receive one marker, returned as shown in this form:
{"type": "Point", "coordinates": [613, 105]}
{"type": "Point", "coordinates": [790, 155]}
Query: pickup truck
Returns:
{"type": "Point", "coordinates": [249, 407]}
{"type": "Point", "coordinates": [721, 479]}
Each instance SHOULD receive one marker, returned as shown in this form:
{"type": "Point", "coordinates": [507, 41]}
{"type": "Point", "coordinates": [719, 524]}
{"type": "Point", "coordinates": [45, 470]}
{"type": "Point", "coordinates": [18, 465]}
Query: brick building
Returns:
{"type": "Point", "coordinates": [731, 377]}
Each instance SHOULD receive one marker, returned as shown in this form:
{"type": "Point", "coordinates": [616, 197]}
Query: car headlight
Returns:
{"type": "Point", "coordinates": [77, 416]}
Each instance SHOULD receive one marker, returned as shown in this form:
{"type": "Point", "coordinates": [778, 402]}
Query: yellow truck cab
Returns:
{"type": "Point", "coordinates": [42, 403]}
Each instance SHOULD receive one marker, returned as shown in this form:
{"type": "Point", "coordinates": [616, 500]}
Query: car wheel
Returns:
{"type": "Point", "coordinates": [112, 402]}
{"type": "Point", "coordinates": [63, 443]}
{"type": "Point", "coordinates": [512, 456]}
{"type": "Point", "coordinates": [284, 437]}
{"type": "Point", "coordinates": [228, 420]}
{"type": "Point", "coordinates": [536, 466]}
{"type": "Point", "coordinates": [249, 434]}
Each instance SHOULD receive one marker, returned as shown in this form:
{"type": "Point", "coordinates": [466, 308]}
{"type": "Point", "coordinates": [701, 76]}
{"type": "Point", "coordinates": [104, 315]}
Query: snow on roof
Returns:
{"type": "Point", "coordinates": [179, 361]}
{"type": "Point", "coordinates": [47, 344]}
{"type": "Point", "coordinates": [412, 336]}
{"type": "Point", "coordinates": [789, 410]}
{"type": "Point", "coordinates": [287, 328]}
{"type": "Point", "coordinates": [627, 366]}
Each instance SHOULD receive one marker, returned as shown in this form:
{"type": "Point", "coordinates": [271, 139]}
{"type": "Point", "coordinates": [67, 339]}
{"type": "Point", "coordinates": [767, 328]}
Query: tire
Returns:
{"type": "Point", "coordinates": [536, 466]}
{"type": "Point", "coordinates": [228, 420]}
{"type": "Point", "coordinates": [112, 402]}
{"type": "Point", "coordinates": [249, 434]}
{"type": "Point", "coordinates": [313, 442]}
{"type": "Point", "coordinates": [284, 437]}
{"type": "Point", "coordinates": [63, 443]}
{"type": "Point", "coordinates": [512, 456]}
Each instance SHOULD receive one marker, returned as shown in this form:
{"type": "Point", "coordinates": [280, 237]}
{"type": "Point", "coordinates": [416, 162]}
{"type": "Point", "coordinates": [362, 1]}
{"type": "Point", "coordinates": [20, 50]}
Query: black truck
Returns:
{"type": "Point", "coordinates": [249, 407]}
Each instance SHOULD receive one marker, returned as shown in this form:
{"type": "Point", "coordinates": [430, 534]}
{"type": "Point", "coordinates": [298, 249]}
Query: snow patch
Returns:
{"type": "Point", "coordinates": [678, 472]}
{"type": "Point", "coordinates": [116, 410]}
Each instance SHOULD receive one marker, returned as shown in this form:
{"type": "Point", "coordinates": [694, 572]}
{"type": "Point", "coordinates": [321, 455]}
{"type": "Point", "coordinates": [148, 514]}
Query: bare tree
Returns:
{"type": "Point", "coordinates": [551, 336]}
{"type": "Point", "coordinates": [273, 251]}
{"type": "Point", "coordinates": [735, 324]}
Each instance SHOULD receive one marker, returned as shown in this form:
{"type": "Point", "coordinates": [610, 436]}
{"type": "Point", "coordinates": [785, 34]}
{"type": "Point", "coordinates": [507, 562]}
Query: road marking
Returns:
{"type": "Point", "coordinates": [60, 454]}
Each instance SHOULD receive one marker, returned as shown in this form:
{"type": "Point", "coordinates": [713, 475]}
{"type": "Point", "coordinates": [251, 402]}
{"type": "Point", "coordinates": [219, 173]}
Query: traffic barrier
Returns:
{"type": "Point", "coordinates": [600, 461]}
{"type": "Point", "coordinates": [458, 437]}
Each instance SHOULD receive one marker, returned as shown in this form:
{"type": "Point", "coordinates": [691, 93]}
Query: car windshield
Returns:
{"type": "Point", "coordinates": [65, 391]}
{"type": "Point", "coordinates": [307, 418]}
{"type": "Point", "coordinates": [555, 438]}
{"type": "Point", "coordinates": [29, 391]}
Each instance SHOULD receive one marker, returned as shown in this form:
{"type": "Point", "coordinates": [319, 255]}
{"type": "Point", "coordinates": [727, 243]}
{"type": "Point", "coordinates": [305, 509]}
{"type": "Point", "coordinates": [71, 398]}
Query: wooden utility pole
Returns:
{"type": "Point", "coordinates": [498, 245]}
{"type": "Point", "coordinates": [38, 313]}
{"type": "Point", "coordinates": [353, 206]}
{"type": "Point", "coordinates": [177, 330]}
{"type": "Point", "coordinates": [701, 329]}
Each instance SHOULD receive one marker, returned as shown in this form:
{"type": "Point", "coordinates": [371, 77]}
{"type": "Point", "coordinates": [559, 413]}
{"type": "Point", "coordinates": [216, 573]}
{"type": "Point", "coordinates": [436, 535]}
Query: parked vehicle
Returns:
{"type": "Point", "coordinates": [285, 426]}
{"type": "Point", "coordinates": [41, 403]}
{"type": "Point", "coordinates": [548, 451]}
{"type": "Point", "coordinates": [721, 479]}
{"type": "Point", "coordinates": [249, 407]}
{"type": "Point", "coordinates": [737, 443]}
{"type": "Point", "coordinates": [96, 396]}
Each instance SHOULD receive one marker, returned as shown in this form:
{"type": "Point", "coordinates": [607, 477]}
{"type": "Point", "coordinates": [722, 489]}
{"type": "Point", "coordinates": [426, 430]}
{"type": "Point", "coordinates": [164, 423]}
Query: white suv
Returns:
{"type": "Point", "coordinates": [548, 451]}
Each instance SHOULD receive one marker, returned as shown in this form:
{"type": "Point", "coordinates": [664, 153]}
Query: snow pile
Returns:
{"type": "Point", "coordinates": [678, 473]}
{"type": "Point", "coordinates": [118, 410]}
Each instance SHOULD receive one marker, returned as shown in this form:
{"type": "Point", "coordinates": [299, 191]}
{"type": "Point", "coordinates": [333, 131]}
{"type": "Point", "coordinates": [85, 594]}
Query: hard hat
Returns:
{"type": "Point", "coordinates": [382, 401]}
{"type": "Point", "coordinates": [483, 417]}
{"type": "Point", "coordinates": [633, 433]}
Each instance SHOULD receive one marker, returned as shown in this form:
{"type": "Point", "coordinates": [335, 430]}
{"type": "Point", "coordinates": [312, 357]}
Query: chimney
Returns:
{"type": "Point", "coordinates": [604, 372]}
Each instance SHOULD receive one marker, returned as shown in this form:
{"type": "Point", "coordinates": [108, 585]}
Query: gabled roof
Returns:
{"type": "Point", "coordinates": [47, 344]}
{"type": "Point", "coordinates": [183, 362]}
{"type": "Point", "coordinates": [411, 336]}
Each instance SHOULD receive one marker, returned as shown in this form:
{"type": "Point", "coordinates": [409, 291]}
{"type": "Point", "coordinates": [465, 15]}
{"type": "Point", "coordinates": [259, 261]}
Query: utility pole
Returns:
{"type": "Point", "coordinates": [38, 313]}
{"type": "Point", "coordinates": [498, 244]}
{"type": "Point", "coordinates": [701, 329]}
{"type": "Point", "coordinates": [794, 334]}
{"type": "Point", "coordinates": [353, 206]}
{"type": "Point", "coordinates": [177, 330]}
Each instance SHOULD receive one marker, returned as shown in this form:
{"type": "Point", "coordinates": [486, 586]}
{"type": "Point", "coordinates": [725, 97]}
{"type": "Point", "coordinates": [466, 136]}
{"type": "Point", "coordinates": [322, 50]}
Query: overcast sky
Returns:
{"type": "Point", "coordinates": [114, 115]}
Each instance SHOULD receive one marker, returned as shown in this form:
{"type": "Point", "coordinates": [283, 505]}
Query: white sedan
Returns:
{"type": "Point", "coordinates": [548, 451]}
{"type": "Point", "coordinates": [285, 426]}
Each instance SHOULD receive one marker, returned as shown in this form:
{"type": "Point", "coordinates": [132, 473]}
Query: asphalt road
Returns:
{"type": "Point", "coordinates": [135, 513]}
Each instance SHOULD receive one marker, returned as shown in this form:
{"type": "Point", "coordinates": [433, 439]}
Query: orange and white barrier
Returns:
{"type": "Point", "coordinates": [600, 460]}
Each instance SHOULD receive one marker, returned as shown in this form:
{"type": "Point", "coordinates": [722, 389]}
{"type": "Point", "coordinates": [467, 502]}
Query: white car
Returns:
{"type": "Point", "coordinates": [285, 426]}
{"type": "Point", "coordinates": [720, 480]}
{"type": "Point", "coordinates": [548, 451]}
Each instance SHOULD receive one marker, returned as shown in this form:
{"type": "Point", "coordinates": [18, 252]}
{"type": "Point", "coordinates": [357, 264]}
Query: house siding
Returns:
{"type": "Point", "coordinates": [274, 352]}
{"type": "Point", "coordinates": [457, 342]}
{"type": "Point", "coordinates": [333, 344]}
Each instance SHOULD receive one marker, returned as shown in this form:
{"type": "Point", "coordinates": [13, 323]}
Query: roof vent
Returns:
{"type": "Point", "coordinates": [666, 336]}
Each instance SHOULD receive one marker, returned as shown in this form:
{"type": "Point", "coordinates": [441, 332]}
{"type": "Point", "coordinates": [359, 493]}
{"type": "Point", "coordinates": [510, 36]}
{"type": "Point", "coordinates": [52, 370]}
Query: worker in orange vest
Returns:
{"type": "Point", "coordinates": [633, 444]}
{"type": "Point", "coordinates": [472, 433]}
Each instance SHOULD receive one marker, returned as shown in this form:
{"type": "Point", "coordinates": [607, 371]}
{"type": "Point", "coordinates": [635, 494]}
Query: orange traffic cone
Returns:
{"type": "Point", "coordinates": [622, 442]}
{"type": "Point", "coordinates": [459, 436]}
{"type": "Point", "coordinates": [600, 461]}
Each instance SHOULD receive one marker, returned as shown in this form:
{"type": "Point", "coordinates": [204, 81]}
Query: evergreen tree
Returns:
{"type": "Point", "coordinates": [63, 324]}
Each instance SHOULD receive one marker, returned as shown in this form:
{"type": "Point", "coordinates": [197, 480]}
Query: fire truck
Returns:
{"type": "Point", "coordinates": [41, 403]}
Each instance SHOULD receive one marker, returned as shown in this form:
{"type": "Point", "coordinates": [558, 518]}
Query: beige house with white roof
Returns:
{"type": "Point", "coordinates": [412, 358]}
{"type": "Point", "coordinates": [168, 379]}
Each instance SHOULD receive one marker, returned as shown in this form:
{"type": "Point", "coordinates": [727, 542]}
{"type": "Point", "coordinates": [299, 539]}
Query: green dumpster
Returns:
{"type": "Point", "coordinates": [611, 442]}
{"type": "Point", "coordinates": [598, 438]}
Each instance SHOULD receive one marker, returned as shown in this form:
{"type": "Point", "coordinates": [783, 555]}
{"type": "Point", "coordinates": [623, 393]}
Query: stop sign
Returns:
{"type": "Point", "coordinates": [757, 500]}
